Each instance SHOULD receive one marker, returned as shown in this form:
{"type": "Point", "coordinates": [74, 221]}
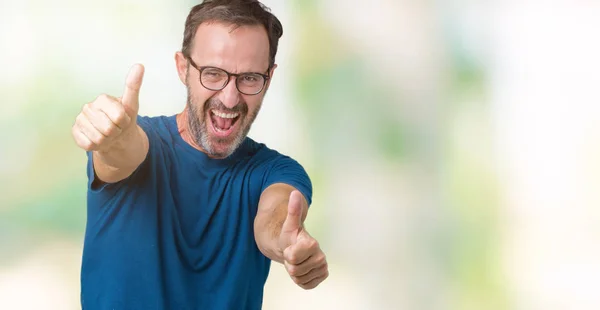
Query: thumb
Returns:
{"type": "Point", "coordinates": [293, 221]}
{"type": "Point", "coordinates": [130, 99]}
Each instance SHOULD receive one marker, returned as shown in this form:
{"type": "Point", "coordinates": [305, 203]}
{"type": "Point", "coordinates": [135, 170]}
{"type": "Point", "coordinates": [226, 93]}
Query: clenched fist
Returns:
{"type": "Point", "coordinates": [109, 120]}
{"type": "Point", "coordinates": [304, 260]}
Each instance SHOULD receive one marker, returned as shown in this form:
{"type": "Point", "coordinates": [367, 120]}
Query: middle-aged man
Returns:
{"type": "Point", "coordinates": [186, 211]}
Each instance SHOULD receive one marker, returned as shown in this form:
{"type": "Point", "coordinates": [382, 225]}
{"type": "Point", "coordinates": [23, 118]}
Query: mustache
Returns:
{"type": "Point", "coordinates": [216, 104]}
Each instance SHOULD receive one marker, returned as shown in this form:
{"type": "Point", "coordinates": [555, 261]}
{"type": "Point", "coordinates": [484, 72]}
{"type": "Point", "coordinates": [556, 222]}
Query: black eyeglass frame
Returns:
{"type": "Point", "coordinates": [266, 77]}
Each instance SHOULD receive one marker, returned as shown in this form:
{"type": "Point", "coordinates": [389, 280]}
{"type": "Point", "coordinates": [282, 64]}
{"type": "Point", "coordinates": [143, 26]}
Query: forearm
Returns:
{"type": "Point", "coordinates": [271, 215]}
{"type": "Point", "coordinates": [267, 228]}
{"type": "Point", "coordinates": [280, 235]}
{"type": "Point", "coordinates": [123, 157]}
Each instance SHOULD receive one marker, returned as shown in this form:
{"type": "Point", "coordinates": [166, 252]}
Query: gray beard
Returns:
{"type": "Point", "coordinates": [198, 127]}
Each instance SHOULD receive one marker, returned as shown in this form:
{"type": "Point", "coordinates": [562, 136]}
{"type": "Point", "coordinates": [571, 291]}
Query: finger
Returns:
{"type": "Point", "coordinates": [89, 130]}
{"type": "Point", "coordinates": [296, 255]}
{"type": "Point", "coordinates": [116, 113]}
{"type": "Point", "coordinates": [313, 262]}
{"type": "Point", "coordinates": [82, 140]}
{"type": "Point", "coordinates": [304, 247]}
{"type": "Point", "coordinates": [314, 283]}
{"type": "Point", "coordinates": [131, 94]}
{"type": "Point", "coordinates": [293, 221]}
{"type": "Point", "coordinates": [312, 275]}
{"type": "Point", "coordinates": [101, 122]}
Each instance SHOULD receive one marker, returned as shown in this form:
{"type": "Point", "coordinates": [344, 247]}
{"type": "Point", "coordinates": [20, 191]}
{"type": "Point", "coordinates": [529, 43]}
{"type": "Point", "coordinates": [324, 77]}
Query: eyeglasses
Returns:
{"type": "Point", "coordinates": [247, 83]}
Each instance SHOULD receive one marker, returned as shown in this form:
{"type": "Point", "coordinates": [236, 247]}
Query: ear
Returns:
{"type": "Point", "coordinates": [271, 72]}
{"type": "Point", "coordinates": [182, 67]}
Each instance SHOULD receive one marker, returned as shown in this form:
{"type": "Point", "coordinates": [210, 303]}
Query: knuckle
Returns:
{"type": "Point", "coordinates": [110, 130]}
{"type": "Point", "coordinates": [75, 132]}
{"type": "Point", "coordinates": [101, 101]}
{"type": "Point", "coordinates": [312, 243]}
{"type": "Point", "coordinates": [103, 98]}
{"type": "Point", "coordinates": [84, 111]}
{"type": "Point", "coordinates": [121, 117]}
{"type": "Point", "coordinates": [82, 139]}
{"type": "Point", "coordinates": [86, 145]}
{"type": "Point", "coordinates": [297, 280]}
{"type": "Point", "coordinates": [100, 140]}
{"type": "Point", "coordinates": [80, 122]}
{"type": "Point", "coordinates": [291, 257]}
{"type": "Point", "coordinates": [106, 130]}
{"type": "Point", "coordinates": [94, 136]}
{"type": "Point", "coordinates": [78, 119]}
{"type": "Point", "coordinates": [86, 108]}
{"type": "Point", "coordinates": [321, 259]}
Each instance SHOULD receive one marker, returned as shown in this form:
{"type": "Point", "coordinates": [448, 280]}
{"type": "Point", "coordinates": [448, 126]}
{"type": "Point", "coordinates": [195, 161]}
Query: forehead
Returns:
{"type": "Point", "coordinates": [235, 49]}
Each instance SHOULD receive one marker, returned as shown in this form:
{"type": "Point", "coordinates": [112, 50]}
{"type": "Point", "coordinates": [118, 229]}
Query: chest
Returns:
{"type": "Point", "coordinates": [202, 202]}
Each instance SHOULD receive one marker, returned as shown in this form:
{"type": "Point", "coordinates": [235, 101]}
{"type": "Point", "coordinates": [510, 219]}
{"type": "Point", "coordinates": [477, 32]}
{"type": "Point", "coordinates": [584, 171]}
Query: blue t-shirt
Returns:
{"type": "Point", "coordinates": [178, 233]}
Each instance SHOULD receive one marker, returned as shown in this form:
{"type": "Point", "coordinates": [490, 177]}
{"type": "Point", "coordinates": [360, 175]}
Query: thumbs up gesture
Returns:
{"type": "Point", "coordinates": [109, 120]}
{"type": "Point", "coordinates": [304, 260]}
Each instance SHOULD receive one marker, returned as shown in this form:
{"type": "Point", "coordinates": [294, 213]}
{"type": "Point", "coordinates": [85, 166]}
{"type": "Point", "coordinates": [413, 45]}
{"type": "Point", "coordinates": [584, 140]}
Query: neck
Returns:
{"type": "Point", "coordinates": [184, 131]}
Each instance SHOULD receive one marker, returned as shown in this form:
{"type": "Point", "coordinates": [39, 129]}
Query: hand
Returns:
{"type": "Point", "coordinates": [108, 120]}
{"type": "Point", "coordinates": [304, 260]}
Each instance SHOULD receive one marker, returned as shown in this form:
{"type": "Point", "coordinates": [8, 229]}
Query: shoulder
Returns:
{"type": "Point", "coordinates": [158, 128]}
{"type": "Point", "coordinates": [276, 167]}
{"type": "Point", "coordinates": [260, 153]}
{"type": "Point", "coordinates": [154, 123]}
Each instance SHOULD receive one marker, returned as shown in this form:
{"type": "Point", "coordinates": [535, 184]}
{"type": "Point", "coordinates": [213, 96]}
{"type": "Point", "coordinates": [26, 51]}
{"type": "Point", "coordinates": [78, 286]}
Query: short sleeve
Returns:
{"type": "Point", "coordinates": [98, 188]}
{"type": "Point", "coordinates": [288, 171]}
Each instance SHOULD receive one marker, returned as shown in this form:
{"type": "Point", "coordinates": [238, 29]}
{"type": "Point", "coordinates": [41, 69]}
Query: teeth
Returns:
{"type": "Point", "coordinates": [225, 115]}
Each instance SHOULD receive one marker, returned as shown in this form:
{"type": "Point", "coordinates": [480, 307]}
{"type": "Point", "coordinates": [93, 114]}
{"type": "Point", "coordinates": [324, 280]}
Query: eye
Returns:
{"type": "Point", "coordinates": [251, 78]}
{"type": "Point", "coordinates": [213, 75]}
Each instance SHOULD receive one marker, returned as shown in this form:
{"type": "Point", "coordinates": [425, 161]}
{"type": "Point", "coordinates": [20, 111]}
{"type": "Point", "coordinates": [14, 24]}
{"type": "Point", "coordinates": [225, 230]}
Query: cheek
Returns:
{"type": "Point", "coordinates": [253, 103]}
{"type": "Point", "coordinates": [199, 96]}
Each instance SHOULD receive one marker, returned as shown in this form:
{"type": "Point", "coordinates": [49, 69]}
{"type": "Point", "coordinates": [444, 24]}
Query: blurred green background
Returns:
{"type": "Point", "coordinates": [454, 146]}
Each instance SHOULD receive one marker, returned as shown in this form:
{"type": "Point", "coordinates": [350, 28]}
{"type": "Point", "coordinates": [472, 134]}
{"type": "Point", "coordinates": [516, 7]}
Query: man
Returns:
{"type": "Point", "coordinates": [185, 211]}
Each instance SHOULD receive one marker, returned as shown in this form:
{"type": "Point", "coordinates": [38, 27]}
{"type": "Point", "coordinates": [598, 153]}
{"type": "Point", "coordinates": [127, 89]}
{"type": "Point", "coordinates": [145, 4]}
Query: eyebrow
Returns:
{"type": "Point", "coordinates": [241, 72]}
{"type": "Point", "coordinates": [266, 72]}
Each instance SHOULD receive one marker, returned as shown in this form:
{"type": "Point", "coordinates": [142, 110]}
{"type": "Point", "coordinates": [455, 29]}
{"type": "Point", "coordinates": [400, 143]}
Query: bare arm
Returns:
{"type": "Point", "coordinates": [108, 127]}
{"type": "Point", "coordinates": [121, 160]}
{"type": "Point", "coordinates": [272, 212]}
{"type": "Point", "coordinates": [280, 235]}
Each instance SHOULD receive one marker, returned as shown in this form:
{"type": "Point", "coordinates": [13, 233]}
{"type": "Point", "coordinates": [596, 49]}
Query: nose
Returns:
{"type": "Point", "coordinates": [230, 96]}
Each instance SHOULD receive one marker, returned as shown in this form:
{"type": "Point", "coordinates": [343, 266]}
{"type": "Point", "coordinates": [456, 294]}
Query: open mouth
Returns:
{"type": "Point", "coordinates": [223, 123]}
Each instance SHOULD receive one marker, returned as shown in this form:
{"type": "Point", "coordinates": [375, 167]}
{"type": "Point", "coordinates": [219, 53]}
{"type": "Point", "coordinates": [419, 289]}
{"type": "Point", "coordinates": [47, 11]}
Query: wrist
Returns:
{"type": "Point", "coordinates": [126, 151]}
{"type": "Point", "coordinates": [267, 243]}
